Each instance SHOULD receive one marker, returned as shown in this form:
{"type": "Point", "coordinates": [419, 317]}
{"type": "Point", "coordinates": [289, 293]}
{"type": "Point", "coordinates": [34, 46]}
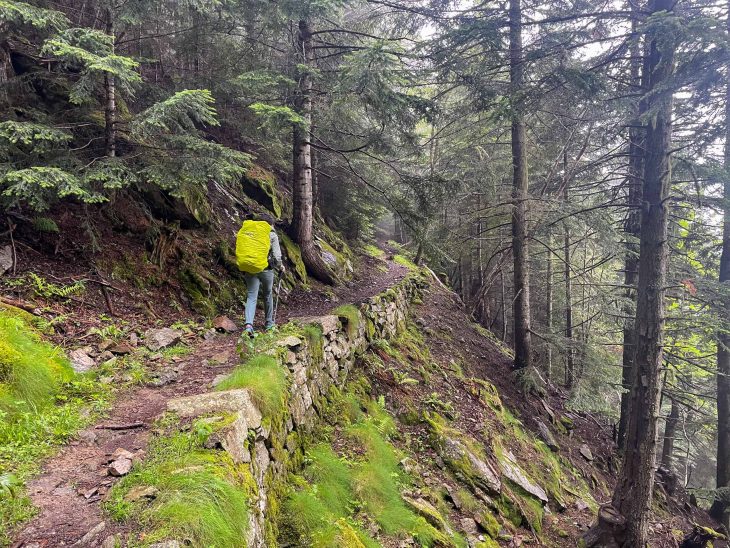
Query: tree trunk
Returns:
{"type": "Point", "coordinates": [633, 493]}
{"type": "Point", "coordinates": [569, 350]}
{"type": "Point", "coordinates": [631, 229]}
{"type": "Point", "coordinates": [303, 214]}
{"type": "Point", "coordinates": [719, 509]}
{"type": "Point", "coordinates": [670, 432]}
{"type": "Point", "coordinates": [521, 303]}
{"type": "Point", "coordinates": [110, 108]}
{"type": "Point", "coordinates": [549, 309]}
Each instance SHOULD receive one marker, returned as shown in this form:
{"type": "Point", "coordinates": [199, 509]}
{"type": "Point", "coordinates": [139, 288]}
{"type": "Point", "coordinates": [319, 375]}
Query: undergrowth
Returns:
{"type": "Point", "coordinates": [266, 381]}
{"type": "Point", "coordinates": [192, 494]}
{"type": "Point", "coordinates": [340, 491]}
{"type": "Point", "coordinates": [43, 403]}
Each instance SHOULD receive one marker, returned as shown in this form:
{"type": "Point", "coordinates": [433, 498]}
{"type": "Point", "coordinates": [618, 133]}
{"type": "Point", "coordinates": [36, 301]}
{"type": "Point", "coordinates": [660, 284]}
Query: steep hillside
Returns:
{"type": "Point", "coordinates": [428, 441]}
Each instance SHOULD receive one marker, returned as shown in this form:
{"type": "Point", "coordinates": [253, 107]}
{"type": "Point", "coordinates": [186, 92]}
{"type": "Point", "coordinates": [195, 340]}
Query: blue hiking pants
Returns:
{"type": "Point", "coordinates": [253, 281]}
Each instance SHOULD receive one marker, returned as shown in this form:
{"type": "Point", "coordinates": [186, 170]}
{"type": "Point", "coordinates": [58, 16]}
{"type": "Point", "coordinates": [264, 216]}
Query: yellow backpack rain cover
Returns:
{"type": "Point", "coordinates": [252, 246]}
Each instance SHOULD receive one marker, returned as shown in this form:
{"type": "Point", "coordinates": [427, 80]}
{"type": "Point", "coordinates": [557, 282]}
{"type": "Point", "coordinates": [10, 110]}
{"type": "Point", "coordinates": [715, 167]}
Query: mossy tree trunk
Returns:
{"type": "Point", "coordinates": [303, 206]}
{"type": "Point", "coordinates": [628, 513]}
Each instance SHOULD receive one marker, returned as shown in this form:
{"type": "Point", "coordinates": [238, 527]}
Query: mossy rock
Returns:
{"type": "Point", "coordinates": [337, 262]}
{"type": "Point", "coordinates": [295, 256]}
{"type": "Point", "coordinates": [227, 257]}
{"type": "Point", "coordinates": [207, 294]}
{"type": "Point", "coordinates": [260, 185]}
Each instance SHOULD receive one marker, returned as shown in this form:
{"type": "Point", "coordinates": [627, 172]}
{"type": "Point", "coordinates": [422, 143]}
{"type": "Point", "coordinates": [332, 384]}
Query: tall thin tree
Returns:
{"type": "Point", "coordinates": [521, 302]}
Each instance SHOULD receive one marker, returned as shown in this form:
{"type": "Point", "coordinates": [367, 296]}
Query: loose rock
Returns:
{"type": "Point", "coordinates": [81, 361]}
{"type": "Point", "coordinates": [224, 324]}
{"type": "Point", "coordinates": [585, 452]}
{"type": "Point", "coordinates": [157, 339]}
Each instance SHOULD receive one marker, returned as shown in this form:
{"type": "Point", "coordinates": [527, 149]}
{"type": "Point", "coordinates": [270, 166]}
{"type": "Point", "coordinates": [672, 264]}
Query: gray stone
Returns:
{"type": "Point", "coordinates": [585, 452]}
{"type": "Point", "coordinates": [481, 473]}
{"type": "Point", "coordinates": [111, 542]}
{"type": "Point", "coordinates": [163, 377]}
{"type": "Point", "coordinates": [290, 342]}
{"type": "Point", "coordinates": [328, 323]}
{"type": "Point", "coordinates": [225, 324]}
{"type": "Point", "coordinates": [238, 400]}
{"type": "Point", "coordinates": [469, 526]}
{"type": "Point", "coordinates": [89, 537]}
{"type": "Point", "coordinates": [232, 439]}
{"type": "Point", "coordinates": [81, 361]}
{"type": "Point", "coordinates": [512, 471]}
{"type": "Point", "coordinates": [139, 492]}
{"type": "Point", "coordinates": [157, 339]}
{"type": "Point", "coordinates": [120, 467]}
{"type": "Point", "coordinates": [6, 259]}
{"type": "Point", "coordinates": [547, 436]}
{"type": "Point", "coordinates": [262, 458]}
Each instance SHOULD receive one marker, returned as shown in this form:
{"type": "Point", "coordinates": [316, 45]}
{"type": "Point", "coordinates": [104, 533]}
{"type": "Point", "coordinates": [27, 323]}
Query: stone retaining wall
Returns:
{"type": "Point", "coordinates": [271, 447]}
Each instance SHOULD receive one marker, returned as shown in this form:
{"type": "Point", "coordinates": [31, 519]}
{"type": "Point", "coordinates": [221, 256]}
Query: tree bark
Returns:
{"type": "Point", "coordinates": [719, 510]}
{"type": "Point", "coordinates": [569, 349]}
{"type": "Point", "coordinates": [631, 229]}
{"type": "Point", "coordinates": [521, 303]}
{"type": "Point", "coordinates": [634, 488]}
{"type": "Point", "coordinates": [303, 212]}
{"type": "Point", "coordinates": [549, 308]}
{"type": "Point", "coordinates": [110, 91]}
{"type": "Point", "coordinates": [670, 432]}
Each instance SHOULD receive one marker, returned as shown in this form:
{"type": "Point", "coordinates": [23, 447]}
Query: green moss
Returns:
{"type": "Point", "coordinates": [295, 256]}
{"type": "Point", "coordinates": [351, 316]}
{"type": "Point", "coordinates": [198, 289]}
{"type": "Point", "coordinates": [487, 543]}
{"type": "Point", "coordinates": [323, 509]}
{"type": "Point", "coordinates": [489, 523]}
{"type": "Point", "coordinates": [313, 334]}
{"type": "Point", "coordinates": [227, 257]}
{"type": "Point", "coordinates": [266, 381]}
{"type": "Point", "coordinates": [260, 185]}
{"type": "Point", "coordinates": [196, 494]}
{"type": "Point", "coordinates": [373, 251]}
{"type": "Point", "coordinates": [405, 261]}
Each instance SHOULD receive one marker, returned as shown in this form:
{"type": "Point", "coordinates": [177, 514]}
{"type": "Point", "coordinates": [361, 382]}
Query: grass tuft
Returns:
{"type": "Point", "coordinates": [265, 379]}
{"type": "Point", "coordinates": [199, 495]}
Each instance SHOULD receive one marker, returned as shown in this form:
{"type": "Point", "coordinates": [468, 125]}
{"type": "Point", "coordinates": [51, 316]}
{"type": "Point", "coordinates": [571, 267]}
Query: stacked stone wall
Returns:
{"type": "Point", "coordinates": [272, 446]}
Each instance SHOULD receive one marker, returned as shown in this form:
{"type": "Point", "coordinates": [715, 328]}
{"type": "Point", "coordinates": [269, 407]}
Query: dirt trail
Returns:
{"type": "Point", "coordinates": [69, 491]}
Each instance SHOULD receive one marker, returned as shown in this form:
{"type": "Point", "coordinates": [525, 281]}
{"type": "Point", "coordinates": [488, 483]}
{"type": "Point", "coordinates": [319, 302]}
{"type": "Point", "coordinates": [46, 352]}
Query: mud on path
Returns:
{"type": "Point", "coordinates": [74, 483]}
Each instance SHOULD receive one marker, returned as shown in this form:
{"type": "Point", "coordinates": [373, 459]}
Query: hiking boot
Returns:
{"type": "Point", "coordinates": [248, 330]}
{"type": "Point", "coordinates": [270, 328]}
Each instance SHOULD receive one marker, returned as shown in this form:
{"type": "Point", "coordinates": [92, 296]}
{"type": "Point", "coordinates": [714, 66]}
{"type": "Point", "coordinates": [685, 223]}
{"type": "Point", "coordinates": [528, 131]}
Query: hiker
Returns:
{"type": "Point", "coordinates": [258, 254]}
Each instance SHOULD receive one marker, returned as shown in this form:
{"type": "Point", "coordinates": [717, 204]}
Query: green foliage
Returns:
{"type": "Point", "coordinates": [42, 404]}
{"type": "Point", "coordinates": [45, 224]}
{"type": "Point", "coordinates": [199, 495]}
{"type": "Point", "coordinates": [276, 117]}
{"type": "Point", "coordinates": [265, 379]}
{"type": "Point", "coordinates": [21, 13]}
{"type": "Point", "coordinates": [49, 290]}
{"type": "Point", "coordinates": [39, 186]}
{"type": "Point", "coordinates": [29, 137]}
{"type": "Point", "coordinates": [93, 51]}
{"type": "Point", "coordinates": [340, 488]}
{"type": "Point", "coordinates": [177, 115]}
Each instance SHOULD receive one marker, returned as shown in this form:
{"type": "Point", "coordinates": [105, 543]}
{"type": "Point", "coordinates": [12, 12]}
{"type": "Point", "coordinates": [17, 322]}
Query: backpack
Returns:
{"type": "Point", "coordinates": [252, 246]}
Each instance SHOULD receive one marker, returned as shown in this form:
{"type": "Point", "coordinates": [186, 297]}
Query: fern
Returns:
{"type": "Point", "coordinates": [45, 224]}
{"type": "Point", "coordinates": [46, 289]}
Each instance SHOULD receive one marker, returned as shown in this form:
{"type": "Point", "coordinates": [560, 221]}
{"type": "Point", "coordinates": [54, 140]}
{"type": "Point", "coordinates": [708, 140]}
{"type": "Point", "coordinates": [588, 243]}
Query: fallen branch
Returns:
{"type": "Point", "coordinates": [23, 305]}
{"type": "Point", "coordinates": [129, 426]}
